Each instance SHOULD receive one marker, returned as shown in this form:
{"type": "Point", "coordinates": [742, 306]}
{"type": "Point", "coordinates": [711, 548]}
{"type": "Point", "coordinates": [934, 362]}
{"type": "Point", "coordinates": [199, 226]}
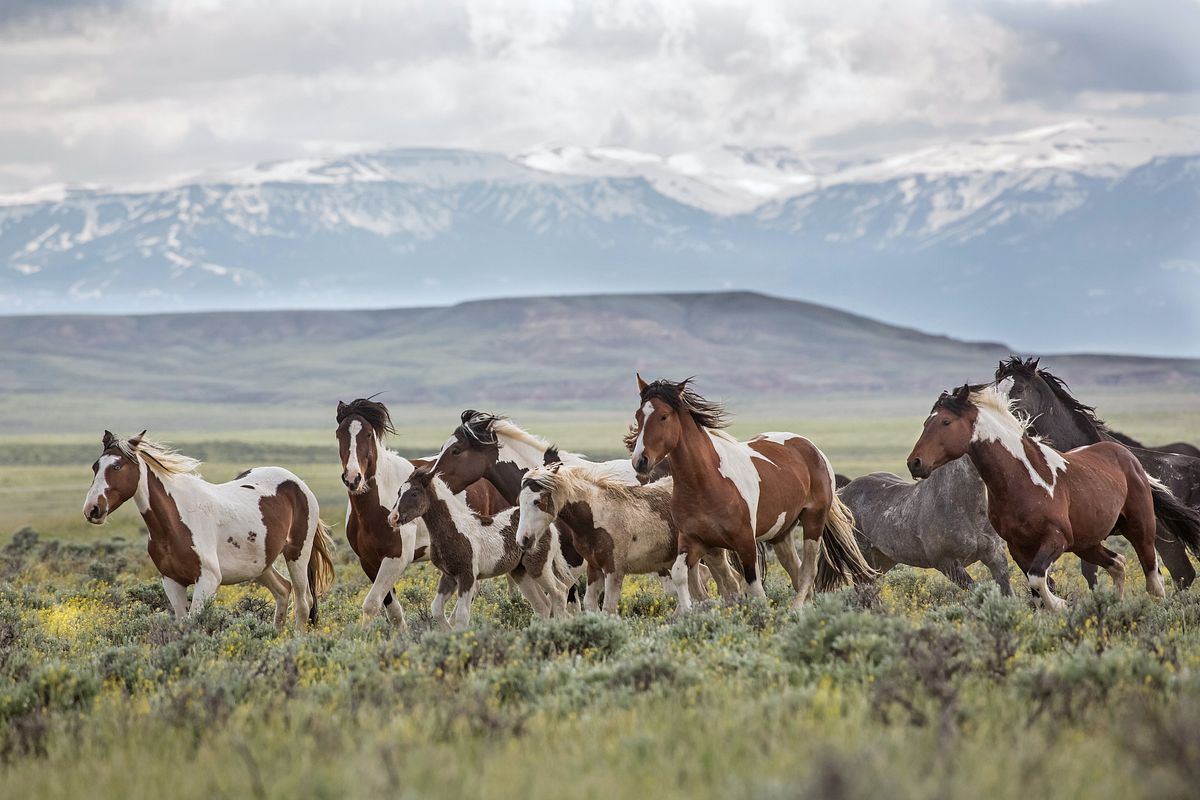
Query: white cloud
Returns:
{"type": "Point", "coordinates": [117, 91]}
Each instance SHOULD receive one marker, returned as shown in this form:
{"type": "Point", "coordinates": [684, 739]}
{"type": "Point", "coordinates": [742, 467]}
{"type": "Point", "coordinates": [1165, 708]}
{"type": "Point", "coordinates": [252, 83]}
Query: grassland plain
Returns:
{"type": "Point", "coordinates": [908, 689]}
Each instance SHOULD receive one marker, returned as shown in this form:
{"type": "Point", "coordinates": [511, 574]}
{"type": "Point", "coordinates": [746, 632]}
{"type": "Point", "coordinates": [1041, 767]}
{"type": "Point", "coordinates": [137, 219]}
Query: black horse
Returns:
{"type": "Point", "coordinates": [1066, 423]}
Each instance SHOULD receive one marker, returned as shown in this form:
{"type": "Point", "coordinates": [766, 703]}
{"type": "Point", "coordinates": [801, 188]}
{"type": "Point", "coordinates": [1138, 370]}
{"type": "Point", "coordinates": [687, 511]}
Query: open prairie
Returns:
{"type": "Point", "coordinates": [913, 685]}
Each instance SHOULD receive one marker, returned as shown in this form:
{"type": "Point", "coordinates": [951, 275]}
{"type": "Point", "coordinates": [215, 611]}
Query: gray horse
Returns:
{"type": "Point", "coordinates": [939, 523]}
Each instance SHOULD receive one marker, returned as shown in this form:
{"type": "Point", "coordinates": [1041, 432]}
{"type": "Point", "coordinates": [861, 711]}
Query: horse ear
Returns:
{"type": "Point", "coordinates": [108, 440]}
{"type": "Point", "coordinates": [641, 383]}
{"type": "Point", "coordinates": [134, 441]}
{"type": "Point", "coordinates": [1035, 362]}
{"type": "Point", "coordinates": [963, 392]}
{"type": "Point", "coordinates": [341, 409]}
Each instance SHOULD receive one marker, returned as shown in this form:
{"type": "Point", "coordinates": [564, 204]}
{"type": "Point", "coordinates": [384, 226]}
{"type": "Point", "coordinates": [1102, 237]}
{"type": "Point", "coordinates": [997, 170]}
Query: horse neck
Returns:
{"type": "Point", "coordinates": [450, 511]}
{"type": "Point", "coordinates": [694, 461]}
{"type": "Point", "coordinates": [161, 520]}
{"type": "Point", "coordinates": [391, 471]}
{"type": "Point", "coordinates": [1065, 427]}
{"type": "Point", "coordinates": [1004, 462]}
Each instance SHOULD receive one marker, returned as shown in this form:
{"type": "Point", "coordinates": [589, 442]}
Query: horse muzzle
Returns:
{"type": "Point", "coordinates": [918, 468]}
{"type": "Point", "coordinates": [96, 514]}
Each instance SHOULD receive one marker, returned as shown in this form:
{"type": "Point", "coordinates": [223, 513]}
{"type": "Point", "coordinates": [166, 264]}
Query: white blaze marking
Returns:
{"type": "Point", "coordinates": [352, 469]}
{"type": "Point", "coordinates": [534, 522]}
{"type": "Point", "coordinates": [640, 446]}
{"type": "Point", "coordinates": [99, 483]}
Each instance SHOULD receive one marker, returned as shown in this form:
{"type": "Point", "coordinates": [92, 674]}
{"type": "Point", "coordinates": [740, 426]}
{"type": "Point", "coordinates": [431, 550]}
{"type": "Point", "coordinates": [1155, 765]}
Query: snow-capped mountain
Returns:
{"type": "Point", "coordinates": [1078, 236]}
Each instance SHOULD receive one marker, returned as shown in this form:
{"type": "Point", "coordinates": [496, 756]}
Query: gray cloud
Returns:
{"type": "Point", "coordinates": [119, 90]}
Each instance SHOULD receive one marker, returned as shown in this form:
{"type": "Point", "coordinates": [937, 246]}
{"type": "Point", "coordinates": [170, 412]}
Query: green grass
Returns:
{"type": "Point", "coordinates": [912, 691]}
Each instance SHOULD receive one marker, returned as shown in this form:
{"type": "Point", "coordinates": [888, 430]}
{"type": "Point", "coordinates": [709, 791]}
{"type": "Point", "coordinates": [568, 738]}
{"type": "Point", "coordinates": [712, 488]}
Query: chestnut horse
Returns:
{"type": "Point", "coordinates": [212, 534]}
{"type": "Point", "coordinates": [730, 494]}
{"type": "Point", "coordinates": [1043, 502]}
{"type": "Point", "coordinates": [372, 475]}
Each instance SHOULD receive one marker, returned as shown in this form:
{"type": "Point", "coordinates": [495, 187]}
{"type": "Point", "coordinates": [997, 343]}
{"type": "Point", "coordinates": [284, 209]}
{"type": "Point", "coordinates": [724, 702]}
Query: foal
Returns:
{"type": "Point", "coordinates": [1043, 502]}
{"type": "Point", "coordinates": [372, 475]}
{"type": "Point", "coordinates": [212, 534]}
{"type": "Point", "coordinates": [730, 494]}
{"type": "Point", "coordinates": [631, 531]}
{"type": "Point", "coordinates": [468, 547]}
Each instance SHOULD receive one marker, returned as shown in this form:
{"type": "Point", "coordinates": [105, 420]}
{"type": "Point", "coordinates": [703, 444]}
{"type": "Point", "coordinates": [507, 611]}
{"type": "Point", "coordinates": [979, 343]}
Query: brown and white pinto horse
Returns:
{"type": "Point", "coordinates": [1043, 502]}
{"type": "Point", "coordinates": [730, 494]}
{"type": "Point", "coordinates": [212, 534]}
{"type": "Point", "coordinates": [373, 475]}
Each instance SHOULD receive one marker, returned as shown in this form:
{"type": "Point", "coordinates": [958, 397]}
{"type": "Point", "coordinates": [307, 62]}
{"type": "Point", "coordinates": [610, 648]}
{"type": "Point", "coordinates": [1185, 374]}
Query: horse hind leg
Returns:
{"type": "Point", "coordinates": [281, 590]}
{"type": "Point", "coordinates": [997, 565]}
{"type": "Point", "coordinates": [1175, 558]}
{"type": "Point", "coordinates": [814, 527]}
{"type": "Point", "coordinates": [956, 572]}
{"type": "Point", "coordinates": [1112, 562]}
{"type": "Point", "coordinates": [1138, 528]}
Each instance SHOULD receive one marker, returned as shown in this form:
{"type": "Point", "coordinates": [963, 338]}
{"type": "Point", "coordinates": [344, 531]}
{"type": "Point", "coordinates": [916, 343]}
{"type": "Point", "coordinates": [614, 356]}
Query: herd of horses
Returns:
{"type": "Point", "coordinates": [1016, 461]}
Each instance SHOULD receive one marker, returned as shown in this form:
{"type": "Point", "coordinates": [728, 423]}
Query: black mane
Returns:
{"type": "Point", "coordinates": [477, 426]}
{"type": "Point", "coordinates": [681, 397]}
{"type": "Point", "coordinates": [371, 411]}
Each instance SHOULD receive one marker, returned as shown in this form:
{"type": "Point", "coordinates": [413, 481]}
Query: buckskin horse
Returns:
{"type": "Point", "coordinates": [207, 534]}
{"type": "Point", "coordinates": [372, 475]}
{"type": "Point", "coordinates": [730, 494]}
{"type": "Point", "coordinates": [1043, 502]}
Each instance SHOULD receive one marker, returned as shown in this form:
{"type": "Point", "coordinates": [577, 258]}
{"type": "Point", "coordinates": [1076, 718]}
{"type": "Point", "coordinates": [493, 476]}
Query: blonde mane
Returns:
{"type": "Point", "coordinates": [567, 483]}
{"type": "Point", "coordinates": [991, 398]}
{"type": "Point", "coordinates": [506, 427]}
{"type": "Point", "coordinates": [161, 458]}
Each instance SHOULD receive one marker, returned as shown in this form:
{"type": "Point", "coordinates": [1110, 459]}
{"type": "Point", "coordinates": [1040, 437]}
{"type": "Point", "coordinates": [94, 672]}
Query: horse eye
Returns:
{"type": "Point", "coordinates": [945, 422]}
{"type": "Point", "coordinates": [117, 467]}
{"type": "Point", "coordinates": [663, 418]}
{"type": "Point", "coordinates": [456, 451]}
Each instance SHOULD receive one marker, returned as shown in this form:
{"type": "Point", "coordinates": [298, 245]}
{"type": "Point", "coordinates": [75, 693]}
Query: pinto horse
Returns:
{"type": "Point", "coordinates": [731, 495]}
{"type": "Point", "coordinates": [372, 475]}
{"type": "Point", "coordinates": [212, 534]}
{"type": "Point", "coordinates": [1064, 422]}
{"type": "Point", "coordinates": [1043, 502]}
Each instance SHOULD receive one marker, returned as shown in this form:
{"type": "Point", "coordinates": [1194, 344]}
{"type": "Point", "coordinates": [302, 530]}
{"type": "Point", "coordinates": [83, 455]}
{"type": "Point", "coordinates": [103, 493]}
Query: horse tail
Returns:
{"type": "Point", "coordinates": [1181, 521]}
{"type": "Point", "coordinates": [840, 560]}
{"type": "Point", "coordinates": [320, 566]}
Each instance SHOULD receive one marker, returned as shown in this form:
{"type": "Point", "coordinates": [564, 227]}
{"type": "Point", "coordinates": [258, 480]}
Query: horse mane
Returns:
{"type": "Point", "coordinates": [985, 396]}
{"type": "Point", "coordinates": [1060, 389]}
{"type": "Point", "coordinates": [484, 428]}
{"type": "Point", "coordinates": [681, 397]}
{"type": "Point", "coordinates": [571, 481]}
{"type": "Point", "coordinates": [161, 458]}
{"type": "Point", "coordinates": [373, 412]}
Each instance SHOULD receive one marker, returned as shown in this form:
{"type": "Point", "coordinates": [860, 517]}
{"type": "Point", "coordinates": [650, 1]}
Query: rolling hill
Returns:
{"type": "Point", "coordinates": [272, 368]}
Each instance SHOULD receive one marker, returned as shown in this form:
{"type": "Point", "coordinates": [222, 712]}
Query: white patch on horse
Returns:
{"type": "Point", "coordinates": [778, 526]}
{"type": "Point", "coordinates": [534, 522]}
{"type": "Point", "coordinates": [353, 470]}
{"type": "Point", "coordinates": [737, 464]}
{"type": "Point", "coordinates": [99, 483]}
{"type": "Point", "coordinates": [778, 437]}
{"type": "Point", "coordinates": [639, 446]}
{"type": "Point", "coordinates": [995, 422]}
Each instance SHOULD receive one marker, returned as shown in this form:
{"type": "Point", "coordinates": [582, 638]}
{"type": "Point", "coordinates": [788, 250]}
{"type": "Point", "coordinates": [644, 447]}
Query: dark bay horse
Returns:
{"type": "Point", "coordinates": [1065, 422]}
{"type": "Point", "coordinates": [1043, 502]}
{"type": "Point", "coordinates": [372, 475]}
{"type": "Point", "coordinates": [212, 534]}
{"type": "Point", "coordinates": [730, 494]}
{"type": "Point", "coordinates": [938, 523]}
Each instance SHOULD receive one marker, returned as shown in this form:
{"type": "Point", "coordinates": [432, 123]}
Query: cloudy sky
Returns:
{"type": "Point", "coordinates": [118, 91]}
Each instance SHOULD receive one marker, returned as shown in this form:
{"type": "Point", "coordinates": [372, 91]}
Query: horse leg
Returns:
{"type": "Point", "coordinates": [468, 587]}
{"type": "Point", "coordinates": [813, 526]}
{"type": "Point", "coordinates": [445, 588]}
{"type": "Point", "coordinates": [690, 553]}
{"type": "Point", "coordinates": [1138, 527]}
{"type": "Point", "coordinates": [956, 572]}
{"type": "Point", "coordinates": [300, 588]}
{"type": "Point", "coordinates": [612, 591]}
{"type": "Point", "coordinates": [785, 551]}
{"type": "Point", "coordinates": [281, 590]}
{"type": "Point", "coordinates": [176, 596]}
{"type": "Point", "coordinates": [723, 574]}
{"type": "Point", "coordinates": [389, 572]}
{"type": "Point", "coordinates": [206, 587]}
{"type": "Point", "coordinates": [1089, 573]}
{"type": "Point", "coordinates": [997, 565]}
{"type": "Point", "coordinates": [1112, 562]}
{"type": "Point", "coordinates": [698, 582]}
{"type": "Point", "coordinates": [551, 591]}
{"type": "Point", "coordinates": [591, 596]}
{"type": "Point", "coordinates": [1039, 567]}
{"type": "Point", "coordinates": [533, 594]}
{"type": "Point", "coordinates": [1175, 559]}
